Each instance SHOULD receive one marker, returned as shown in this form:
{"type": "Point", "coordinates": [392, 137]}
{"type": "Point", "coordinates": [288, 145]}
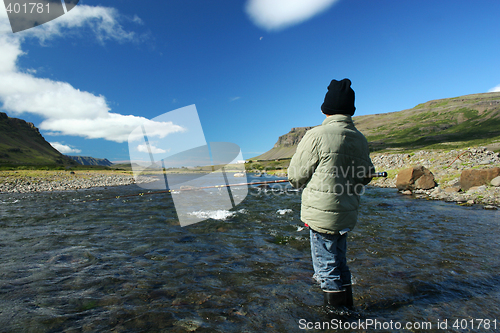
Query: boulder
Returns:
{"type": "Point", "coordinates": [477, 177]}
{"type": "Point", "coordinates": [426, 181]}
{"type": "Point", "coordinates": [418, 177]}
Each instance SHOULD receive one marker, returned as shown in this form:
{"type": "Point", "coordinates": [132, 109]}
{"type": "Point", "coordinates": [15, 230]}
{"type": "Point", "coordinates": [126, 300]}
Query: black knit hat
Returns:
{"type": "Point", "coordinates": [339, 99]}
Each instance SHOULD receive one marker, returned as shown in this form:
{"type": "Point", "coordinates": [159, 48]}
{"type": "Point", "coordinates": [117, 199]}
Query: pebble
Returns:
{"type": "Point", "coordinates": [452, 189]}
{"type": "Point", "coordinates": [495, 181]}
{"type": "Point", "coordinates": [481, 188]}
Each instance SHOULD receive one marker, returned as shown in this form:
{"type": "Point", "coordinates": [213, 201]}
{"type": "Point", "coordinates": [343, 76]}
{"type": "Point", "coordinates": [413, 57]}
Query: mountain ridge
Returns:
{"type": "Point", "coordinates": [437, 124]}
{"type": "Point", "coordinates": [87, 160]}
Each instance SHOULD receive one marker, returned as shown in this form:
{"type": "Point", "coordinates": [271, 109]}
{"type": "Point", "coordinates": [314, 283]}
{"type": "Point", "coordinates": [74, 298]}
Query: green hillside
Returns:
{"type": "Point", "coordinates": [458, 122]}
{"type": "Point", "coordinates": [22, 144]}
{"type": "Point", "coordinates": [471, 120]}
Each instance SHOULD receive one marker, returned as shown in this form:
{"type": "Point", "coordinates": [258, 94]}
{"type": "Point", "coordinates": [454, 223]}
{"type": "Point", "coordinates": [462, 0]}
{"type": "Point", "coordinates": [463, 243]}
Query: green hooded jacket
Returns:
{"type": "Point", "coordinates": [331, 164]}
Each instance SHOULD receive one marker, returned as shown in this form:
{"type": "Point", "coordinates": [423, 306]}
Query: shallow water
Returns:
{"type": "Point", "coordinates": [126, 265]}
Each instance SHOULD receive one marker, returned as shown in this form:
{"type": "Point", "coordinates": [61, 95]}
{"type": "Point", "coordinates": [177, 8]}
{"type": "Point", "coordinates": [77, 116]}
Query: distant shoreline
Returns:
{"type": "Point", "coordinates": [37, 181]}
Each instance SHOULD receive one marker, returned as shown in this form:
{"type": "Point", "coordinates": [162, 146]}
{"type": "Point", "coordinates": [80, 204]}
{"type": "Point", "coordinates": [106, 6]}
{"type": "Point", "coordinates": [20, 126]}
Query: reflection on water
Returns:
{"type": "Point", "coordinates": [126, 265]}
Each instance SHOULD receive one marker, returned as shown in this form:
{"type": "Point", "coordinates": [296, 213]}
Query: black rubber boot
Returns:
{"type": "Point", "coordinates": [334, 304]}
{"type": "Point", "coordinates": [349, 302]}
{"type": "Point", "coordinates": [335, 299]}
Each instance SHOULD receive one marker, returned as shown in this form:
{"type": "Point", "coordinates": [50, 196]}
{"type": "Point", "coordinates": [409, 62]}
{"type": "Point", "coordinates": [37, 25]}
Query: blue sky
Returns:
{"type": "Point", "coordinates": [253, 68]}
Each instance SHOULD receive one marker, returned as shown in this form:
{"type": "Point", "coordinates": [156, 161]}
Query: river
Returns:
{"type": "Point", "coordinates": [125, 265]}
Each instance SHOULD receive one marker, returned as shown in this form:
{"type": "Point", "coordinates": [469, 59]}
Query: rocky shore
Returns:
{"type": "Point", "coordinates": [447, 167]}
{"type": "Point", "coordinates": [41, 181]}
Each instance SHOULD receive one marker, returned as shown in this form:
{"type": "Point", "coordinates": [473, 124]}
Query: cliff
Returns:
{"type": "Point", "coordinates": [22, 144]}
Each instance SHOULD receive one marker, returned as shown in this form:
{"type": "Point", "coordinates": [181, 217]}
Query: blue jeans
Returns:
{"type": "Point", "coordinates": [329, 260]}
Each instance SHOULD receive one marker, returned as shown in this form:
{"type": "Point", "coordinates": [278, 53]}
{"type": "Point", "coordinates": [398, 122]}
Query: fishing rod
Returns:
{"type": "Point", "coordinates": [372, 175]}
{"type": "Point", "coordinates": [190, 189]}
{"type": "Point", "coordinates": [382, 174]}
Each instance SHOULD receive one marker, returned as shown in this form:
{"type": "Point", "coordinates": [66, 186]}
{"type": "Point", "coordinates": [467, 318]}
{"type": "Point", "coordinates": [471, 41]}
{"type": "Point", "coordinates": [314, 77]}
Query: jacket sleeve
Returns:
{"type": "Point", "coordinates": [304, 161]}
{"type": "Point", "coordinates": [365, 181]}
{"type": "Point", "coordinates": [366, 164]}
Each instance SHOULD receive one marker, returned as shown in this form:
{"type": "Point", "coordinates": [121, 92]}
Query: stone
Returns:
{"type": "Point", "coordinates": [495, 181]}
{"type": "Point", "coordinates": [452, 189]}
{"type": "Point", "coordinates": [418, 177]}
{"type": "Point", "coordinates": [407, 192]}
{"type": "Point", "coordinates": [489, 207]}
{"type": "Point", "coordinates": [477, 177]}
{"type": "Point", "coordinates": [435, 192]}
{"type": "Point", "coordinates": [481, 188]}
{"type": "Point", "coordinates": [426, 181]}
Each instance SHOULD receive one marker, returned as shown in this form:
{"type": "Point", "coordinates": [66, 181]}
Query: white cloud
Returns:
{"type": "Point", "coordinates": [102, 21]}
{"type": "Point", "coordinates": [64, 149]}
{"type": "Point", "coordinates": [154, 150]}
{"type": "Point", "coordinates": [279, 14]}
{"type": "Point", "coordinates": [137, 19]}
{"type": "Point", "coordinates": [10, 50]}
{"type": "Point", "coordinates": [495, 89]}
{"type": "Point", "coordinates": [234, 98]}
{"type": "Point", "coordinates": [111, 126]}
{"type": "Point", "coordinates": [65, 109]}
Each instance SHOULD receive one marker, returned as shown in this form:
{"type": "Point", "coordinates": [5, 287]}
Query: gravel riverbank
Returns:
{"type": "Point", "coordinates": [40, 181]}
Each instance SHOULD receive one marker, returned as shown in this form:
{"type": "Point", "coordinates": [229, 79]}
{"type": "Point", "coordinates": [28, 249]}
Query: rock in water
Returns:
{"type": "Point", "coordinates": [418, 177]}
{"type": "Point", "coordinates": [477, 177]}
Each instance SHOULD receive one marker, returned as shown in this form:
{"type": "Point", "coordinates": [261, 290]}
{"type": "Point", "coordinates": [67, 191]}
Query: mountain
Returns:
{"type": "Point", "coordinates": [471, 120]}
{"type": "Point", "coordinates": [286, 145]}
{"type": "Point", "coordinates": [87, 160]}
{"type": "Point", "coordinates": [22, 144]}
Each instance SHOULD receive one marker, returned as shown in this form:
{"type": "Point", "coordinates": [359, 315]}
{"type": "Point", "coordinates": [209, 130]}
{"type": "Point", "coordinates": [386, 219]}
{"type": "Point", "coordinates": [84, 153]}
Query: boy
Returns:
{"type": "Point", "coordinates": [332, 163]}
